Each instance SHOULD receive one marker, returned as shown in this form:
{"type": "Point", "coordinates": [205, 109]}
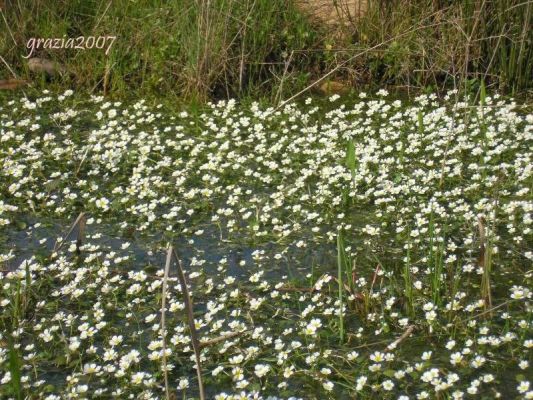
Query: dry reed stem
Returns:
{"type": "Point", "coordinates": [106, 76]}
{"type": "Point", "coordinates": [81, 234]}
{"type": "Point", "coordinates": [489, 311]}
{"type": "Point", "coordinates": [190, 316]}
{"type": "Point", "coordinates": [284, 76]}
{"type": "Point", "coordinates": [223, 338]}
{"type": "Point", "coordinates": [404, 336]}
{"type": "Point", "coordinates": [76, 222]}
{"type": "Point", "coordinates": [82, 160]}
{"type": "Point", "coordinates": [484, 263]}
{"type": "Point", "coordinates": [163, 320]}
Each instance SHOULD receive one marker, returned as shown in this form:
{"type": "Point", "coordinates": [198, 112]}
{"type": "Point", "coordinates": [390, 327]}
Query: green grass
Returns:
{"type": "Point", "coordinates": [259, 48]}
{"type": "Point", "coordinates": [182, 47]}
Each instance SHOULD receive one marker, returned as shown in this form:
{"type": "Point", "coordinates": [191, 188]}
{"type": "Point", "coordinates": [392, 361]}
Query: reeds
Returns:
{"type": "Point", "coordinates": [172, 254]}
{"type": "Point", "coordinates": [469, 41]}
{"type": "Point", "coordinates": [485, 263]}
{"type": "Point", "coordinates": [192, 48]}
{"type": "Point", "coordinates": [341, 270]}
{"type": "Point", "coordinates": [227, 48]}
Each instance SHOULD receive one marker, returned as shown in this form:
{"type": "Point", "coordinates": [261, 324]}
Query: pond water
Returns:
{"type": "Point", "coordinates": [346, 248]}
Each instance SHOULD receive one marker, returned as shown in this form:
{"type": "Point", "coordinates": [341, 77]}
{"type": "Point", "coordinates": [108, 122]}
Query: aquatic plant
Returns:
{"type": "Point", "coordinates": [254, 199]}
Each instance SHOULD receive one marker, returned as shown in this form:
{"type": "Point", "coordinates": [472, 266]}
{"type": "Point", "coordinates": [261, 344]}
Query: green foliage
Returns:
{"type": "Point", "coordinates": [184, 47]}
{"type": "Point", "coordinates": [341, 264]}
{"type": "Point", "coordinates": [425, 42]}
{"type": "Point", "coordinates": [269, 48]}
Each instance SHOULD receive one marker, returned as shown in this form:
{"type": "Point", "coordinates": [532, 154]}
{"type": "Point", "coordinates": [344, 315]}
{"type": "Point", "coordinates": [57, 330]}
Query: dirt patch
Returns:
{"type": "Point", "coordinates": [333, 13]}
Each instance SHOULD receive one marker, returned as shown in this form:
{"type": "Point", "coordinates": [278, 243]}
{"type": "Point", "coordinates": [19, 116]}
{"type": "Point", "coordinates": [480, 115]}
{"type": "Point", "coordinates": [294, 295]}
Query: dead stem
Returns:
{"type": "Point", "coordinates": [404, 336]}
{"type": "Point", "coordinates": [81, 221]}
{"type": "Point", "coordinates": [163, 320]}
{"type": "Point", "coordinates": [190, 316]}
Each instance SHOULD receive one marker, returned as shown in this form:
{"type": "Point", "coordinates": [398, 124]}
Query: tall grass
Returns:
{"type": "Point", "coordinates": [189, 48]}
{"type": "Point", "coordinates": [466, 41]}
{"type": "Point", "coordinates": [270, 48]}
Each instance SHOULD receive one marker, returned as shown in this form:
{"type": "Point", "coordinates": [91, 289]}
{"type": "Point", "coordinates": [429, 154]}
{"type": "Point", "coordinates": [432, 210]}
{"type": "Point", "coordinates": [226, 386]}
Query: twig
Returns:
{"type": "Point", "coordinates": [488, 311]}
{"type": "Point", "coordinates": [8, 67]}
{"type": "Point", "coordinates": [283, 77]}
{"type": "Point", "coordinates": [375, 276]}
{"type": "Point", "coordinates": [223, 338]}
{"type": "Point", "coordinates": [404, 336]}
{"type": "Point", "coordinates": [82, 160]}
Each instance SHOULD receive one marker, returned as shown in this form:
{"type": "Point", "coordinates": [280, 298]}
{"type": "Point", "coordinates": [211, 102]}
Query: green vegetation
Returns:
{"type": "Point", "coordinates": [269, 48]}
{"type": "Point", "coordinates": [314, 261]}
{"type": "Point", "coordinates": [322, 248]}
{"type": "Point", "coordinates": [188, 48]}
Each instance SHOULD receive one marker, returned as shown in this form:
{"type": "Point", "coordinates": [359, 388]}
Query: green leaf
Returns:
{"type": "Point", "coordinates": [15, 368]}
{"type": "Point", "coordinates": [350, 156]}
{"type": "Point", "coordinates": [389, 373]}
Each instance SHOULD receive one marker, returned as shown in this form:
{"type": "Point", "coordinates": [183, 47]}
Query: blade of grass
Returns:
{"type": "Point", "coordinates": [14, 369]}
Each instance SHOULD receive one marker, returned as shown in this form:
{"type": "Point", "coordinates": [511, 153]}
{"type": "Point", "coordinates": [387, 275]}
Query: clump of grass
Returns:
{"type": "Point", "coordinates": [192, 49]}
{"type": "Point", "coordinates": [452, 42]}
{"type": "Point", "coordinates": [230, 48]}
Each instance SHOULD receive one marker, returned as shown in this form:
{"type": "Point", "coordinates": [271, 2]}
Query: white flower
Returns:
{"type": "Point", "coordinates": [6, 378]}
{"type": "Point", "coordinates": [102, 203]}
{"type": "Point", "coordinates": [91, 368]}
{"type": "Point", "coordinates": [74, 344]}
{"type": "Point", "coordinates": [352, 355]}
{"type": "Point", "coordinates": [312, 327]}
{"type": "Point", "coordinates": [523, 387]}
{"type": "Point", "coordinates": [388, 385]}
{"type": "Point", "coordinates": [115, 340]}
{"type": "Point", "coordinates": [183, 384]}
{"type": "Point", "coordinates": [261, 370]}
{"type": "Point", "coordinates": [520, 292]}
{"type": "Point", "coordinates": [137, 378]}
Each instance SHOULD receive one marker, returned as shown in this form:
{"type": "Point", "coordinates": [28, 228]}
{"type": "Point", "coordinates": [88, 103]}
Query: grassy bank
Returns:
{"type": "Point", "coordinates": [229, 48]}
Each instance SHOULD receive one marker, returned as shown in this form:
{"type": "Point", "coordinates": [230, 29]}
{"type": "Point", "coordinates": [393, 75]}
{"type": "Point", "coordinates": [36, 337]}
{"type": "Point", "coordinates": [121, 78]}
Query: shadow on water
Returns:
{"type": "Point", "coordinates": [38, 237]}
